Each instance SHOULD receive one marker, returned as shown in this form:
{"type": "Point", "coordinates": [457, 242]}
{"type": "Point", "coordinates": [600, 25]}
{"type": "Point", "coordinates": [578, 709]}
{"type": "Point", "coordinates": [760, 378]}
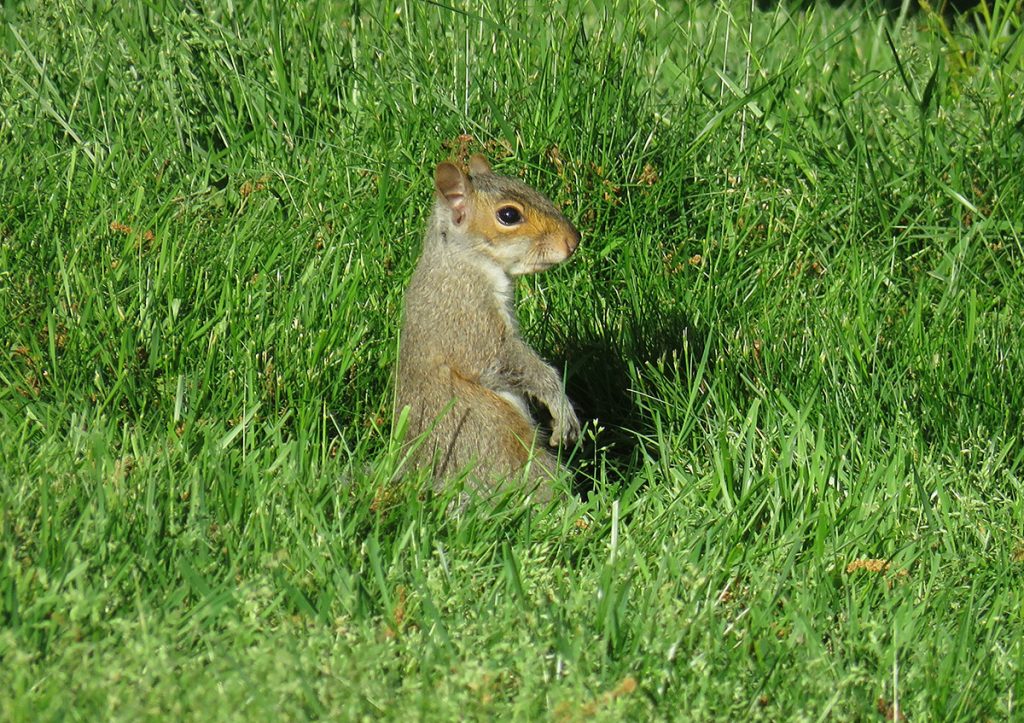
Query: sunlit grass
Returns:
{"type": "Point", "coordinates": [794, 323]}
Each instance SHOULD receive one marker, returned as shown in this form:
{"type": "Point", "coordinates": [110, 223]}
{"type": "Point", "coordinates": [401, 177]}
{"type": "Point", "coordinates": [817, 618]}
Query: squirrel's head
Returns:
{"type": "Point", "coordinates": [509, 222]}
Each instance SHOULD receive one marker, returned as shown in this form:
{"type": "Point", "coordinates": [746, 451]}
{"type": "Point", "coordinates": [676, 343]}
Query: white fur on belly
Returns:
{"type": "Point", "coordinates": [518, 402]}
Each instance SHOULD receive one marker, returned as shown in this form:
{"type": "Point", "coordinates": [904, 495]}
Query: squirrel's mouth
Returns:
{"type": "Point", "coordinates": [533, 266]}
{"type": "Point", "coordinates": [540, 257]}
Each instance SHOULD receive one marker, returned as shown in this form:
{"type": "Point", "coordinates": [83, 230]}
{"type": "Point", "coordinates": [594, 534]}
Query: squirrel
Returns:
{"type": "Point", "coordinates": [464, 371]}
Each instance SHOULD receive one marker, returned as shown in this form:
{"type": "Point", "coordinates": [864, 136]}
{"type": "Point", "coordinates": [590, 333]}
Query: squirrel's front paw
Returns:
{"type": "Point", "coordinates": [565, 427]}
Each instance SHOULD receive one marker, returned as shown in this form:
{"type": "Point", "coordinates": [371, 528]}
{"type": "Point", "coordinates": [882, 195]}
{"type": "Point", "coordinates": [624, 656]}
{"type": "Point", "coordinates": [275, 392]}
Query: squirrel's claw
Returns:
{"type": "Point", "coordinates": [566, 427]}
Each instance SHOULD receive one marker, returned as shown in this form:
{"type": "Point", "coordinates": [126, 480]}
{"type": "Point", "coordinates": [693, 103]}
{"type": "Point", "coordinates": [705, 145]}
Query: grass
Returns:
{"type": "Point", "coordinates": [794, 321]}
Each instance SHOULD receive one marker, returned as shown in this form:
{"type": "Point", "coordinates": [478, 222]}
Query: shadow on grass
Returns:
{"type": "Point", "coordinates": [952, 12]}
{"type": "Point", "coordinates": [600, 381]}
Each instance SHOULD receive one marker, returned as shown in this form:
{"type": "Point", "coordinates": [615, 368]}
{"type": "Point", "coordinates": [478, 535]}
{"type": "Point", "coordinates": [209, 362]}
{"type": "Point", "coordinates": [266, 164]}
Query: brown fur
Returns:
{"type": "Point", "coordinates": [464, 372]}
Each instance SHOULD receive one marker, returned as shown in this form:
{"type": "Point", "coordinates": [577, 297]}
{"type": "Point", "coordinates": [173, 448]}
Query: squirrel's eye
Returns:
{"type": "Point", "coordinates": [509, 215]}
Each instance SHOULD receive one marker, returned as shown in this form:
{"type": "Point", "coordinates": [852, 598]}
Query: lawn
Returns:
{"type": "Point", "coordinates": [794, 324]}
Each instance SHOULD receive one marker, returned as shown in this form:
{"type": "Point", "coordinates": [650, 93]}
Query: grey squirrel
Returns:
{"type": "Point", "coordinates": [464, 371]}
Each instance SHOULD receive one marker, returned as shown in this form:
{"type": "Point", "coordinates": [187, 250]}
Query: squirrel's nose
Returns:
{"type": "Point", "coordinates": [572, 240]}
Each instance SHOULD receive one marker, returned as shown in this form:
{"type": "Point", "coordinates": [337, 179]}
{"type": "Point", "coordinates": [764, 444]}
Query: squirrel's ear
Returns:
{"type": "Point", "coordinates": [453, 188]}
{"type": "Point", "coordinates": [478, 165]}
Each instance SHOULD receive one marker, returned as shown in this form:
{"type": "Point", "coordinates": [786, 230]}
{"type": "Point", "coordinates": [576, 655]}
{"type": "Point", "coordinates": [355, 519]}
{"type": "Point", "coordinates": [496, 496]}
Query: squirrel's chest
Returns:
{"type": "Point", "coordinates": [502, 294]}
